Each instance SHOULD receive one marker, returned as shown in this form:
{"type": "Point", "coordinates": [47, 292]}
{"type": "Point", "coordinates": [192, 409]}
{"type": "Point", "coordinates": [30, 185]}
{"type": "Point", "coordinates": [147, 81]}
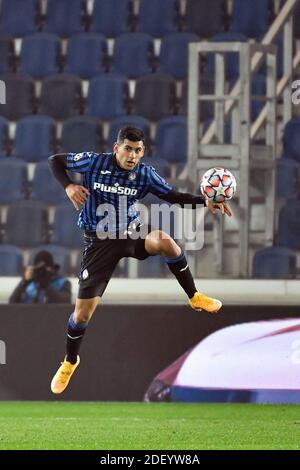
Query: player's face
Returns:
{"type": "Point", "coordinates": [129, 153]}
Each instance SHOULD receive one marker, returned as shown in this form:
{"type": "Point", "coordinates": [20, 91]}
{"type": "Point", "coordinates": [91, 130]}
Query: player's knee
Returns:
{"type": "Point", "coordinates": [168, 247]}
{"type": "Point", "coordinates": [84, 310]}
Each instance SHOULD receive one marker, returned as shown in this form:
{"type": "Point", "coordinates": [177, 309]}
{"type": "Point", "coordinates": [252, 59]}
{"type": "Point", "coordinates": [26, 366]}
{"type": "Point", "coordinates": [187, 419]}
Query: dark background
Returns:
{"type": "Point", "coordinates": [124, 347]}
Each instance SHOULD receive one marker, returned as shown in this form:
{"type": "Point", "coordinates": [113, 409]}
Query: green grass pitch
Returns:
{"type": "Point", "coordinates": [148, 426]}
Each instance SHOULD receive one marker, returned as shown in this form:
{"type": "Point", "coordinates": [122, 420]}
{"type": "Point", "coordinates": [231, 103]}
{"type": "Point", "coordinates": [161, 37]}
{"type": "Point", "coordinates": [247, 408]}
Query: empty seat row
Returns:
{"type": "Point", "coordinates": [114, 17]}
{"type": "Point", "coordinates": [35, 136]}
{"type": "Point", "coordinates": [108, 96]}
{"type": "Point", "coordinates": [133, 55]}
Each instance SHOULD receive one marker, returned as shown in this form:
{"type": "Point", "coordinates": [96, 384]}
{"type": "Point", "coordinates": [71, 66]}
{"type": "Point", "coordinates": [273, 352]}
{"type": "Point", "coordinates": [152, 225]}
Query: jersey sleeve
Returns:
{"type": "Point", "coordinates": [80, 162]}
{"type": "Point", "coordinates": [157, 185]}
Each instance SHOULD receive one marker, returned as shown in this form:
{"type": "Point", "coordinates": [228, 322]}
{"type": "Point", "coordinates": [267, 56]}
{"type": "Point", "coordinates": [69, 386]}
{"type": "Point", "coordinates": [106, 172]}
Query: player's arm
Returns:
{"type": "Point", "coordinates": [76, 193]}
{"type": "Point", "coordinates": [176, 197]}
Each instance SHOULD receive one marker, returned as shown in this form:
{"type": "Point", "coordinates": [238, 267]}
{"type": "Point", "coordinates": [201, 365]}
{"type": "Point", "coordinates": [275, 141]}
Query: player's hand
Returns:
{"type": "Point", "coordinates": [77, 194]}
{"type": "Point", "coordinates": [29, 272]}
{"type": "Point", "coordinates": [222, 206]}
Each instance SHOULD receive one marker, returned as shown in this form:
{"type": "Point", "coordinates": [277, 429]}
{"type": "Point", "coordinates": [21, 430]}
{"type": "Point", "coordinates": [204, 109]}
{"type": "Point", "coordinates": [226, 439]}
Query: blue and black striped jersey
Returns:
{"type": "Point", "coordinates": [113, 191]}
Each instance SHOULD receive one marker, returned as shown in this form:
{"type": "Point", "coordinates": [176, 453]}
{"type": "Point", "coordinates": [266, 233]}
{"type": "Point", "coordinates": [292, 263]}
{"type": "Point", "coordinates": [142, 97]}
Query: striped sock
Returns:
{"type": "Point", "coordinates": [74, 337]}
{"type": "Point", "coordinates": [180, 268]}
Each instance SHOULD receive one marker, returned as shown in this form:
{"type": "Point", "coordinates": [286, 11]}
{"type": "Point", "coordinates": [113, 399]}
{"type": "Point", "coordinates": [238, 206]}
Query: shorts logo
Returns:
{"type": "Point", "coordinates": [85, 274]}
{"type": "Point", "coordinates": [115, 189]}
{"type": "Point", "coordinates": [77, 157]}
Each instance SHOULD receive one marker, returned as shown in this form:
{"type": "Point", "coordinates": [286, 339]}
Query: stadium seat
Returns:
{"type": "Point", "coordinates": [250, 18]}
{"type": "Point", "coordinates": [13, 178]}
{"type": "Point", "coordinates": [158, 21]}
{"type": "Point", "coordinates": [231, 59]}
{"type": "Point", "coordinates": [65, 229]}
{"type": "Point", "coordinates": [174, 54]}
{"type": "Point", "coordinates": [86, 55]}
{"type": "Point", "coordinates": [35, 136]}
{"type": "Point", "coordinates": [111, 17]}
{"type": "Point", "coordinates": [296, 26]}
{"type": "Point", "coordinates": [45, 187]}
{"type": "Point", "coordinates": [60, 255]}
{"type": "Point", "coordinates": [11, 261]}
{"type": "Point", "coordinates": [289, 224]}
{"type": "Point", "coordinates": [65, 17]}
{"type": "Point", "coordinates": [291, 139]}
{"type": "Point", "coordinates": [287, 178]}
{"type": "Point", "coordinates": [123, 121]}
{"type": "Point", "coordinates": [81, 133]}
{"type": "Point", "coordinates": [171, 139]}
{"type": "Point", "coordinates": [40, 55]}
{"type": "Point", "coordinates": [108, 96]}
{"type": "Point", "coordinates": [205, 19]}
{"type": "Point", "coordinates": [19, 17]}
{"type": "Point", "coordinates": [7, 53]}
{"type": "Point", "coordinates": [61, 96]}
{"type": "Point", "coordinates": [274, 263]}
{"type": "Point", "coordinates": [155, 96]}
{"type": "Point", "coordinates": [26, 224]}
{"type": "Point", "coordinates": [20, 100]}
{"type": "Point", "coordinates": [133, 54]}
{"type": "Point", "coordinates": [3, 136]}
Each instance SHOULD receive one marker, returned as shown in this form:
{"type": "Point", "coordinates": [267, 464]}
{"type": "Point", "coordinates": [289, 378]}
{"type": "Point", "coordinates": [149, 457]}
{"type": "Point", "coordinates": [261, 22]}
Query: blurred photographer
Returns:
{"type": "Point", "coordinates": [42, 283]}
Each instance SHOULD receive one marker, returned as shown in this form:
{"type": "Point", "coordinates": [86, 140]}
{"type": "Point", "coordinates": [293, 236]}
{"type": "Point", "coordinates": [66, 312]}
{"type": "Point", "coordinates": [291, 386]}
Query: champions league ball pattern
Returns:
{"type": "Point", "coordinates": [218, 185]}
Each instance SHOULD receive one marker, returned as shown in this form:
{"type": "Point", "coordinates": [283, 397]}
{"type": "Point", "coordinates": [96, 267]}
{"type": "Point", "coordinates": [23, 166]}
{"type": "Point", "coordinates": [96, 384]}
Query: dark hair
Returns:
{"type": "Point", "coordinates": [131, 133]}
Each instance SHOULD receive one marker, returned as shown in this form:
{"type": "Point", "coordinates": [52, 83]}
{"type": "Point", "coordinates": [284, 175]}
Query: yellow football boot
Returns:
{"type": "Point", "coordinates": [63, 375]}
{"type": "Point", "coordinates": [202, 302]}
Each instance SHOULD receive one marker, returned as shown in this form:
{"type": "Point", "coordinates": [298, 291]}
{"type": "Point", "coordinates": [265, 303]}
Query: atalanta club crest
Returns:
{"type": "Point", "coordinates": [132, 176]}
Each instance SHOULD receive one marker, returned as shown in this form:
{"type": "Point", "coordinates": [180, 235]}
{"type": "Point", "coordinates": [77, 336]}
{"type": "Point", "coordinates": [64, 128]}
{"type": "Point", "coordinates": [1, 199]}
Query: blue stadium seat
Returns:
{"type": "Point", "coordinates": [26, 224]}
{"type": "Point", "coordinates": [111, 17]}
{"type": "Point", "coordinates": [291, 139]}
{"type": "Point", "coordinates": [86, 55]}
{"type": "Point", "coordinates": [133, 54]}
{"type": "Point", "coordinates": [158, 21]}
{"type": "Point", "coordinates": [19, 17]}
{"type": "Point", "coordinates": [40, 55]}
{"type": "Point", "coordinates": [274, 263]}
{"type": "Point", "coordinates": [45, 187]}
{"type": "Point", "coordinates": [81, 133]}
{"type": "Point", "coordinates": [171, 139]}
{"type": "Point", "coordinates": [20, 99]}
{"type": "Point", "coordinates": [123, 121]}
{"type": "Point", "coordinates": [35, 137]}
{"type": "Point", "coordinates": [7, 53]}
{"type": "Point", "coordinates": [65, 229]}
{"type": "Point", "coordinates": [174, 54]}
{"type": "Point", "coordinates": [250, 18]}
{"type": "Point", "coordinates": [11, 261]}
{"type": "Point", "coordinates": [296, 27]}
{"type": "Point", "coordinates": [289, 224]}
{"type": "Point", "coordinates": [231, 58]}
{"type": "Point", "coordinates": [65, 17]}
{"type": "Point", "coordinates": [3, 136]}
{"type": "Point", "coordinates": [108, 96]}
{"type": "Point", "coordinates": [60, 255]}
{"type": "Point", "coordinates": [61, 96]}
{"type": "Point", "coordinates": [155, 96]}
{"type": "Point", "coordinates": [287, 178]}
{"type": "Point", "coordinates": [13, 178]}
{"type": "Point", "coordinates": [205, 19]}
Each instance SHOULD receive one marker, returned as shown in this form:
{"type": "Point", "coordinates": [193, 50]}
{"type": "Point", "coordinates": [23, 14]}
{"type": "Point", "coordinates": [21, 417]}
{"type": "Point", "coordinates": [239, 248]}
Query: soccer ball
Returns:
{"type": "Point", "coordinates": [218, 185]}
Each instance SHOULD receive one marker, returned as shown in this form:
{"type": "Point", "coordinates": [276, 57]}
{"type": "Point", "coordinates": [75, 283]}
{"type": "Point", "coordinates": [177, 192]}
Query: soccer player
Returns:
{"type": "Point", "coordinates": [116, 181]}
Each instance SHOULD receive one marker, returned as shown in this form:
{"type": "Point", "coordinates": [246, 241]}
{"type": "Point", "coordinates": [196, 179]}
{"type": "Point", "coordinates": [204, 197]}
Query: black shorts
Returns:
{"type": "Point", "coordinates": [100, 258]}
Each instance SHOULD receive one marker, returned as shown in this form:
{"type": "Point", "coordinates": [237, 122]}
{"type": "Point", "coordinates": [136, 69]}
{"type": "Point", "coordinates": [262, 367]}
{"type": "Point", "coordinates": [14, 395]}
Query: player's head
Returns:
{"type": "Point", "coordinates": [130, 147]}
